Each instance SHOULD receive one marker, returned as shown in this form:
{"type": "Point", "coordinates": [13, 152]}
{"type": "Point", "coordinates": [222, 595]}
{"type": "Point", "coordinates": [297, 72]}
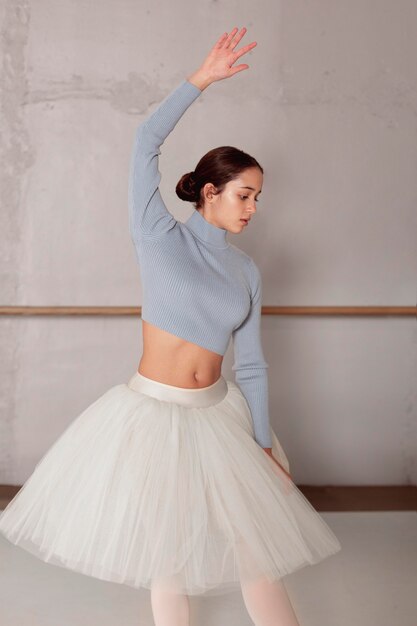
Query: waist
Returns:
{"type": "Point", "coordinates": [201, 397]}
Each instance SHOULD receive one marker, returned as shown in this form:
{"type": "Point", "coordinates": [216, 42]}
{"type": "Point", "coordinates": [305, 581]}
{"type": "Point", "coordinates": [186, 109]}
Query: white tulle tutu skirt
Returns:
{"type": "Point", "coordinates": [155, 482]}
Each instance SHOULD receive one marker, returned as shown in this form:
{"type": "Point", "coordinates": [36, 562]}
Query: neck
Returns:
{"type": "Point", "coordinates": [207, 231]}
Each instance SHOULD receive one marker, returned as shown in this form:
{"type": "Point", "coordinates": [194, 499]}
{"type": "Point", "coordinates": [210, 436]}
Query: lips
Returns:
{"type": "Point", "coordinates": [244, 221]}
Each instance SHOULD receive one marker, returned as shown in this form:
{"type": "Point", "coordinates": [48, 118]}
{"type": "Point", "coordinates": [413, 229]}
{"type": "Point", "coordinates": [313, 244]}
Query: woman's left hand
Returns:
{"type": "Point", "coordinates": [269, 453]}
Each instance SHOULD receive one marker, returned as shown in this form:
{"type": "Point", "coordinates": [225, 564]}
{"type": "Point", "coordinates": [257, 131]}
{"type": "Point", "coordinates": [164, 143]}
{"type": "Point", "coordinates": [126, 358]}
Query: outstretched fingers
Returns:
{"type": "Point", "coordinates": [245, 49]}
{"type": "Point", "coordinates": [231, 36]}
{"type": "Point", "coordinates": [220, 41]}
{"type": "Point", "coordinates": [223, 55]}
{"type": "Point", "coordinates": [232, 41]}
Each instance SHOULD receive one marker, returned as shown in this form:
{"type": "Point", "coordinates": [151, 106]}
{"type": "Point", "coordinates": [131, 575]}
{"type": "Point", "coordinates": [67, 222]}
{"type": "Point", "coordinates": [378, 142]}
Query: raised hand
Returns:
{"type": "Point", "coordinates": [219, 61]}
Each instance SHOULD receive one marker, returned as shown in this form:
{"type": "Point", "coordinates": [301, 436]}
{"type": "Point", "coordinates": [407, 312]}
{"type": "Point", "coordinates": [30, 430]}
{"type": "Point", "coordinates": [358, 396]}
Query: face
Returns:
{"type": "Point", "coordinates": [236, 202]}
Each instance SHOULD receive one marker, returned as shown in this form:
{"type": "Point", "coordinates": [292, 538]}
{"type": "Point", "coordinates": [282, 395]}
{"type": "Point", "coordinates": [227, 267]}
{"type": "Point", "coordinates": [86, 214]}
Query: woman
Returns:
{"type": "Point", "coordinates": [176, 481]}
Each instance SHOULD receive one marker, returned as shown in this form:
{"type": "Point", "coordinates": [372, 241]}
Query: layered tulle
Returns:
{"type": "Point", "coordinates": [138, 489]}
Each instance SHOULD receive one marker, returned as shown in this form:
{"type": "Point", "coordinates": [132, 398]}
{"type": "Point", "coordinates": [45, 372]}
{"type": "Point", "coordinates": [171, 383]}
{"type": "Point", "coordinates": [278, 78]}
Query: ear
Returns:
{"type": "Point", "coordinates": [209, 191]}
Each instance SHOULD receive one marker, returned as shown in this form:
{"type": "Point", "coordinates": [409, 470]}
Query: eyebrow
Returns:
{"type": "Point", "coordinates": [249, 188]}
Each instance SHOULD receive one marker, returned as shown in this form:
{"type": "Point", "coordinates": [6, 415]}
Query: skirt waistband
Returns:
{"type": "Point", "coordinates": [194, 397]}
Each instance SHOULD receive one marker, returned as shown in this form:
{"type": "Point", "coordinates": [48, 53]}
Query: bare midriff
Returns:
{"type": "Point", "coordinates": [172, 360]}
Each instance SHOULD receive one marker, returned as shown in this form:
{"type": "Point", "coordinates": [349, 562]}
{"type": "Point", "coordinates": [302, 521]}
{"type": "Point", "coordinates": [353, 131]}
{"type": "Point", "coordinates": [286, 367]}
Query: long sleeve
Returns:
{"type": "Point", "coordinates": [250, 367]}
{"type": "Point", "coordinates": [147, 211]}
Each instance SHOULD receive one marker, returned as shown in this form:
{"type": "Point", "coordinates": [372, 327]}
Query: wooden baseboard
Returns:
{"type": "Point", "coordinates": [325, 498]}
{"type": "Point", "coordinates": [361, 498]}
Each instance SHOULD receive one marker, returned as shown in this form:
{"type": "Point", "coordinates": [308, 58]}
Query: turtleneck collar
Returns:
{"type": "Point", "coordinates": [207, 231]}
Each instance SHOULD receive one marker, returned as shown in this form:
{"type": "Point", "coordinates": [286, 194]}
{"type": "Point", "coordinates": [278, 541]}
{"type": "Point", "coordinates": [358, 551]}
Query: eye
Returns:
{"type": "Point", "coordinates": [244, 198]}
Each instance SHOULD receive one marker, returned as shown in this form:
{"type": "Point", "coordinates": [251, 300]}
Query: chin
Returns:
{"type": "Point", "coordinates": [236, 229]}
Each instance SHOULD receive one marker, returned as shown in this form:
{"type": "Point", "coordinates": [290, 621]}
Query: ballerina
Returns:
{"type": "Point", "coordinates": [175, 481]}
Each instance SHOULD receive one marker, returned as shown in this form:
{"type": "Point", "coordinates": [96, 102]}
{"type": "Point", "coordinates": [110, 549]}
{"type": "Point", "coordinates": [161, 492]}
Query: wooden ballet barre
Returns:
{"type": "Point", "coordinates": [312, 311]}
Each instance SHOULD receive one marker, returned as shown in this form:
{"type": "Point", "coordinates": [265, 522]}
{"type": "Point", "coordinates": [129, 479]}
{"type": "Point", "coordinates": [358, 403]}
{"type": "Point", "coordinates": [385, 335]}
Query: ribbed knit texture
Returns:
{"type": "Point", "coordinates": [195, 284]}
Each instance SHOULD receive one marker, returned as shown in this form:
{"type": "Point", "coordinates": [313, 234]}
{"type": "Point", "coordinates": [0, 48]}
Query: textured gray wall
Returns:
{"type": "Point", "coordinates": [328, 107]}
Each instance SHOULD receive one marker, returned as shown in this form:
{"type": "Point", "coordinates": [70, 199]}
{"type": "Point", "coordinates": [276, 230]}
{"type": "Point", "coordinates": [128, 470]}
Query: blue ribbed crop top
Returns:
{"type": "Point", "coordinates": [195, 284]}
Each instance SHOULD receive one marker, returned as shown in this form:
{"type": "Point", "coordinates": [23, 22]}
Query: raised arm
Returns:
{"type": "Point", "coordinates": [148, 214]}
{"type": "Point", "coordinates": [250, 367]}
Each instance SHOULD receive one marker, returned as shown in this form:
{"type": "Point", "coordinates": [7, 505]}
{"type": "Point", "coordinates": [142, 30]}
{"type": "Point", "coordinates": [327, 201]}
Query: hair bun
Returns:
{"type": "Point", "coordinates": [186, 187]}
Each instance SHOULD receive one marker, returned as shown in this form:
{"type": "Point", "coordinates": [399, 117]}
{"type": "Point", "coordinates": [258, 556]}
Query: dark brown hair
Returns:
{"type": "Point", "coordinates": [218, 166]}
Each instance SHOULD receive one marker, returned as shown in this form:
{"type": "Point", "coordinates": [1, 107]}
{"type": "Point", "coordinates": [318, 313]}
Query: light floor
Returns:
{"type": "Point", "coordinates": [372, 581]}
